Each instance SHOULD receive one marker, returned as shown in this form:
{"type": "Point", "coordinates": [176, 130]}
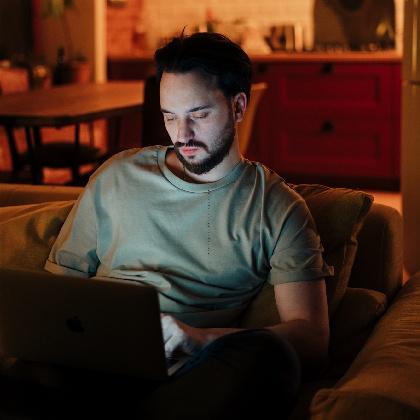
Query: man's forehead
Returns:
{"type": "Point", "coordinates": [196, 77]}
{"type": "Point", "coordinates": [188, 92]}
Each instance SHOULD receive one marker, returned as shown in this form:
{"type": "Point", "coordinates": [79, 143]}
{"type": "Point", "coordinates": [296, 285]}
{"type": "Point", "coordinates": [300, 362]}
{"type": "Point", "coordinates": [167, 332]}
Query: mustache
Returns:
{"type": "Point", "coordinates": [190, 143]}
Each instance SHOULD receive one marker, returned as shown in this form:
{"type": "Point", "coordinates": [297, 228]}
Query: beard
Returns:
{"type": "Point", "coordinates": [217, 152]}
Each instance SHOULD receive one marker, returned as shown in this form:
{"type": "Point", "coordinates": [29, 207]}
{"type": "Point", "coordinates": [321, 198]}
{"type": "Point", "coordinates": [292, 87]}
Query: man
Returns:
{"type": "Point", "coordinates": [207, 228]}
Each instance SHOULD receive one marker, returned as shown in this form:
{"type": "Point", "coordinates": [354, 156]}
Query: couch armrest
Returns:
{"type": "Point", "coordinates": [16, 194]}
{"type": "Point", "coordinates": [379, 261]}
{"type": "Point", "coordinates": [384, 380]}
{"type": "Point", "coordinates": [351, 325]}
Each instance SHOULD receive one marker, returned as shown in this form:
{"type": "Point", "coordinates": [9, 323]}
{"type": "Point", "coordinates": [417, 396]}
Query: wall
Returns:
{"type": "Point", "coordinates": [410, 147]}
{"type": "Point", "coordinates": [87, 28]}
{"type": "Point", "coordinates": [164, 18]}
{"type": "Point", "coordinates": [121, 24]}
{"type": "Point", "coordinates": [15, 28]}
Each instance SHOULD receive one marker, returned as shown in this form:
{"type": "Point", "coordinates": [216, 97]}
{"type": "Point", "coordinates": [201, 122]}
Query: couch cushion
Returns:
{"type": "Point", "coordinates": [27, 233]}
{"type": "Point", "coordinates": [383, 382]}
{"type": "Point", "coordinates": [339, 214]}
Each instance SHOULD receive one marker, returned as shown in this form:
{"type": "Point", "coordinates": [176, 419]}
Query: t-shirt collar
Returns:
{"type": "Point", "coordinates": [232, 176]}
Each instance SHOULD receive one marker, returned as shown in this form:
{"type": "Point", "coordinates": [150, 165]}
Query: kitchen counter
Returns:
{"type": "Point", "coordinates": [340, 56]}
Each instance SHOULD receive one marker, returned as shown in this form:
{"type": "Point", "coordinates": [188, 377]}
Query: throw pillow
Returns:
{"type": "Point", "coordinates": [338, 214]}
{"type": "Point", "coordinates": [27, 233]}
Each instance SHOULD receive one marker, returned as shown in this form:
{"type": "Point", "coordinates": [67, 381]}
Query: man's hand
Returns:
{"type": "Point", "coordinates": [180, 339]}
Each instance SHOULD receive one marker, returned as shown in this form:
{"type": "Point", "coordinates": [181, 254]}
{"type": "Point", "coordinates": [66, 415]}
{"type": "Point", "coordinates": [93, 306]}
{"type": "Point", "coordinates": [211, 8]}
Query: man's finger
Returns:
{"type": "Point", "coordinates": [172, 345]}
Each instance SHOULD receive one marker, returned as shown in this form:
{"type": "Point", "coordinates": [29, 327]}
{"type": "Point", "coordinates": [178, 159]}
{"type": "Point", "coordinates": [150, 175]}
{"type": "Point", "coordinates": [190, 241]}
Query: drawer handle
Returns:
{"type": "Point", "coordinates": [327, 127]}
{"type": "Point", "coordinates": [327, 68]}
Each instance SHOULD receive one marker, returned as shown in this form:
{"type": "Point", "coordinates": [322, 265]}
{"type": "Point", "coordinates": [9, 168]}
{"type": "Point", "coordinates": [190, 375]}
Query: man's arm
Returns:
{"type": "Point", "coordinates": [74, 250]}
{"type": "Point", "coordinates": [303, 311]}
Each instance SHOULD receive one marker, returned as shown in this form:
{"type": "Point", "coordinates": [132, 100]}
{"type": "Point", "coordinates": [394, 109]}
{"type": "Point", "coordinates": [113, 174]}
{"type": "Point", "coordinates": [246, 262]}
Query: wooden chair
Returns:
{"type": "Point", "coordinates": [57, 155]}
{"type": "Point", "coordinates": [245, 126]}
{"type": "Point", "coordinates": [61, 153]}
{"type": "Point", "coordinates": [13, 80]}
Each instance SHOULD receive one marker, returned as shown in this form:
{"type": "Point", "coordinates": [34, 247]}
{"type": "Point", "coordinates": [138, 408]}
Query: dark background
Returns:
{"type": "Point", "coordinates": [15, 28]}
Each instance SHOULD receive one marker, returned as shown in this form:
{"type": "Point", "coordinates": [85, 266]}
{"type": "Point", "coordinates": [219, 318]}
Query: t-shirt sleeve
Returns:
{"type": "Point", "coordinates": [297, 254]}
{"type": "Point", "coordinates": [74, 251]}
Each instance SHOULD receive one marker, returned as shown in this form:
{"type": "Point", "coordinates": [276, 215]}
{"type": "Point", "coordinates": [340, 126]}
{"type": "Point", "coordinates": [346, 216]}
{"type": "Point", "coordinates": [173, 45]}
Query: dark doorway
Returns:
{"type": "Point", "coordinates": [15, 28]}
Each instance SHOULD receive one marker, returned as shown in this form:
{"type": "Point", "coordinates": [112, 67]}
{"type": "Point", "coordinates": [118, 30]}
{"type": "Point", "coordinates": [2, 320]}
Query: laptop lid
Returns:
{"type": "Point", "coordinates": [100, 324]}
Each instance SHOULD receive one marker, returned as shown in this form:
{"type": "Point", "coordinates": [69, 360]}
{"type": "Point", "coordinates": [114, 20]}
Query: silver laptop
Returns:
{"type": "Point", "coordinates": [104, 325]}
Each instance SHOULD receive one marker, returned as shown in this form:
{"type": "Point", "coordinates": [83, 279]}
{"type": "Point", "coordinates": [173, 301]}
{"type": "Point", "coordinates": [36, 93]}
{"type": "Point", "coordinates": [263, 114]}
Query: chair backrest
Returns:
{"type": "Point", "coordinates": [153, 128]}
{"type": "Point", "coordinates": [13, 80]}
{"type": "Point", "coordinates": [245, 126]}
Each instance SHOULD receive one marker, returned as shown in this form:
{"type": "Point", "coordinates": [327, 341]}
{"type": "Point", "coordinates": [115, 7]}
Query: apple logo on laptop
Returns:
{"type": "Point", "coordinates": [74, 324]}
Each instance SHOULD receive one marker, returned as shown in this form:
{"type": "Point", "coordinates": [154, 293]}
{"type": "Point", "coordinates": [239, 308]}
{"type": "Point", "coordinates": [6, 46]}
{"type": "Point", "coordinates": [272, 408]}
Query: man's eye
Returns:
{"type": "Point", "coordinates": [169, 118]}
{"type": "Point", "coordinates": [200, 114]}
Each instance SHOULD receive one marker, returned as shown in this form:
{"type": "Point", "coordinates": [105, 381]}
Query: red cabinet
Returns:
{"type": "Point", "coordinates": [330, 118]}
{"type": "Point", "coordinates": [330, 121]}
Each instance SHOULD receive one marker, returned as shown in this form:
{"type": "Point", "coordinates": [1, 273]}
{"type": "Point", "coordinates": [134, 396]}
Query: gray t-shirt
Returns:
{"type": "Point", "coordinates": [208, 248]}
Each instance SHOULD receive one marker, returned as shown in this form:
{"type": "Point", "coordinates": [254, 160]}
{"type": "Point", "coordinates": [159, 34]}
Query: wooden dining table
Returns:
{"type": "Point", "coordinates": [69, 105]}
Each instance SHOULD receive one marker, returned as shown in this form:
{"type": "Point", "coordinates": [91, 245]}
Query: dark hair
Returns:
{"type": "Point", "coordinates": [214, 55]}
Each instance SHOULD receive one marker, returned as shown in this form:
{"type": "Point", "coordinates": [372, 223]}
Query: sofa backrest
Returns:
{"type": "Point", "coordinates": [16, 194]}
{"type": "Point", "coordinates": [378, 263]}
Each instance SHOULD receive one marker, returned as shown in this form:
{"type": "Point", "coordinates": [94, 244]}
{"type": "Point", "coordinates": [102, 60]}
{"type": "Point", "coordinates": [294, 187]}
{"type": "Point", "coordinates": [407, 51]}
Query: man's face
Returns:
{"type": "Point", "coordinates": [199, 120]}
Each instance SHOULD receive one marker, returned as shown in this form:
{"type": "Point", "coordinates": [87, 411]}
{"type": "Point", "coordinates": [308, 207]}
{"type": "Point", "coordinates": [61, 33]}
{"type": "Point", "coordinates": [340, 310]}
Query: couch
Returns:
{"type": "Point", "coordinates": [374, 367]}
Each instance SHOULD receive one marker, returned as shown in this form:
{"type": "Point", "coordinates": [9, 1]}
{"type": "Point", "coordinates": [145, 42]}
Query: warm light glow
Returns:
{"type": "Point", "coordinates": [414, 50]}
{"type": "Point", "coordinates": [100, 41]}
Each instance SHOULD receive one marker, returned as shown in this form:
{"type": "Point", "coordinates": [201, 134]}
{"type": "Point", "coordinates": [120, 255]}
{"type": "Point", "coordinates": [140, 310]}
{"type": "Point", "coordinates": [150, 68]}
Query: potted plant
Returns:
{"type": "Point", "coordinates": [70, 67]}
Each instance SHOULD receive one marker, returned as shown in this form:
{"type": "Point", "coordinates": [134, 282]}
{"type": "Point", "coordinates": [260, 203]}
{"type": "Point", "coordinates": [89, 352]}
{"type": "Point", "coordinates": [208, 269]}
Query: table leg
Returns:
{"type": "Point", "coordinates": [114, 132]}
{"type": "Point", "coordinates": [36, 166]}
{"type": "Point", "coordinates": [16, 162]}
{"type": "Point", "coordinates": [31, 155]}
{"type": "Point", "coordinates": [75, 164]}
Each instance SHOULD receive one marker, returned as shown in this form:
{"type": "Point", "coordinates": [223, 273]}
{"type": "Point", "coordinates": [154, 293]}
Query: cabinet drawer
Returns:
{"type": "Point", "coordinates": [342, 89]}
{"type": "Point", "coordinates": [343, 147]}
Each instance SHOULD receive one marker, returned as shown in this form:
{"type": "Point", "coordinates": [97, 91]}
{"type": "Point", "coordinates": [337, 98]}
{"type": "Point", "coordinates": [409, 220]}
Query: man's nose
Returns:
{"type": "Point", "coordinates": [185, 131]}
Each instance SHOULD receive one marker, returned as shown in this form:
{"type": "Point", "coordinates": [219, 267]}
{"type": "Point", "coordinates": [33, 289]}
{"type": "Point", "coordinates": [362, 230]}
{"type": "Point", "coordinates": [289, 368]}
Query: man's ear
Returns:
{"type": "Point", "coordinates": [239, 106]}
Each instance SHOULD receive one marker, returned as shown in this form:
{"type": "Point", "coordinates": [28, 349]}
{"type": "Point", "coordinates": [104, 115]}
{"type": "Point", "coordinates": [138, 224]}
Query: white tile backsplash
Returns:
{"type": "Point", "coordinates": [167, 17]}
